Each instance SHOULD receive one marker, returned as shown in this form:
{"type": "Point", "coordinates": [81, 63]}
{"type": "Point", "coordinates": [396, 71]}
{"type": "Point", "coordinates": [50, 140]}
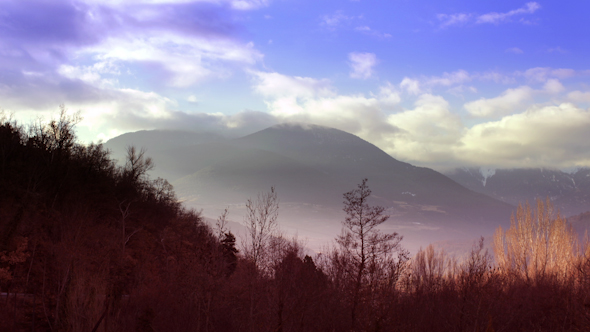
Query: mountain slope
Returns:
{"type": "Point", "coordinates": [311, 167]}
{"type": "Point", "coordinates": [570, 192]}
{"type": "Point", "coordinates": [347, 159]}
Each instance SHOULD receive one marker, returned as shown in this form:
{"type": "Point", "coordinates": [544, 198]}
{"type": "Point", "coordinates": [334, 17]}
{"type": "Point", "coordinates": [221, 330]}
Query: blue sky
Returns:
{"type": "Point", "coordinates": [438, 84]}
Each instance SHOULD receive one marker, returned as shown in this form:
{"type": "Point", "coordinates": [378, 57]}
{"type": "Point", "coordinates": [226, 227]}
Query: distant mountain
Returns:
{"type": "Point", "coordinates": [581, 223]}
{"type": "Point", "coordinates": [570, 192]}
{"type": "Point", "coordinates": [309, 165]}
{"type": "Point", "coordinates": [345, 159]}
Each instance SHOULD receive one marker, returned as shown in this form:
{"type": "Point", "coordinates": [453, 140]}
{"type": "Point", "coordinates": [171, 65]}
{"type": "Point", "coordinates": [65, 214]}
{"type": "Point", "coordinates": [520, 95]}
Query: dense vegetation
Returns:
{"type": "Point", "coordinates": [86, 245]}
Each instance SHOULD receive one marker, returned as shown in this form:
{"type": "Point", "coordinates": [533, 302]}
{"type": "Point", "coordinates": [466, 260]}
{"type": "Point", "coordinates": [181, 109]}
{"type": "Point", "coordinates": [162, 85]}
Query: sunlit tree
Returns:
{"type": "Point", "coordinates": [539, 243]}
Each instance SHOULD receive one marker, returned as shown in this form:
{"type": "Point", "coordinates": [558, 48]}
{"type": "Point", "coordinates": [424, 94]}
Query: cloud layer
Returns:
{"type": "Point", "coordinates": [521, 132]}
{"type": "Point", "coordinates": [437, 97]}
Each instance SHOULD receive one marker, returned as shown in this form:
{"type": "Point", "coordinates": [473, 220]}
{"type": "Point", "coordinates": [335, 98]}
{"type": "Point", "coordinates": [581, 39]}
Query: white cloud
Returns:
{"type": "Point", "coordinates": [432, 134]}
{"type": "Point", "coordinates": [427, 132]}
{"type": "Point", "coordinates": [448, 79]}
{"type": "Point", "coordinates": [551, 136]}
{"type": "Point", "coordinates": [557, 50]}
{"type": "Point", "coordinates": [388, 95]}
{"type": "Point", "coordinates": [187, 60]}
{"type": "Point", "coordinates": [496, 18]}
{"type": "Point", "coordinates": [542, 74]}
{"type": "Point", "coordinates": [579, 96]}
{"type": "Point", "coordinates": [362, 64]}
{"type": "Point", "coordinates": [332, 21]}
{"type": "Point", "coordinates": [236, 4]}
{"type": "Point", "coordinates": [514, 50]}
{"type": "Point", "coordinates": [509, 101]}
{"type": "Point", "coordinates": [416, 86]}
{"type": "Point", "coordinates": [493, 17]}
{"type": "Point", "coordinates": [309, 100]}
{"type": "Point", "coordinates": [496, 77]}
{"type": "Point", "coordinates": [276, 86]}
{"type": "Point", "coordinates": [248, 4]}
{"type": "Point", "coordinates": [93, 74]}
{"type": "Point", "coordinates": [453, 19]}
{"type": "Point", "coordinates": [367, 30]}
{"type": "Point", "coordinates": [412, 86]}
{"type": "Point", "coordinates": [553, 86]}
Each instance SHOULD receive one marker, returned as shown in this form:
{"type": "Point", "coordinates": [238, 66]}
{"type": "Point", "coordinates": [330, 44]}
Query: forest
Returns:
{"type": "Point", "coordinates": [87, 245]}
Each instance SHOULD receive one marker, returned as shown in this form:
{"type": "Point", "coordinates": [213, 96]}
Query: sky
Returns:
{"type": "Point", "coordinates": [441, 84]}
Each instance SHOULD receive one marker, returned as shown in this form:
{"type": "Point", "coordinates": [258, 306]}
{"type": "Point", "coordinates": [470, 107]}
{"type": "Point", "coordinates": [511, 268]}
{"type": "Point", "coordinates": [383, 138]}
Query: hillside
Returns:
{"type": "Point", "coordinates": [570, 192]}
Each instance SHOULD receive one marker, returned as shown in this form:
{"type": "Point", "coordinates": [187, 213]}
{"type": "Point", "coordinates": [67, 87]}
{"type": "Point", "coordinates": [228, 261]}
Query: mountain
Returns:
{"type": "Point", "coordinates": [311, 167]}
{"type": "Point", "coordinates": [570, 192]}
{"type": "Point", "coordinates": [346, 159]}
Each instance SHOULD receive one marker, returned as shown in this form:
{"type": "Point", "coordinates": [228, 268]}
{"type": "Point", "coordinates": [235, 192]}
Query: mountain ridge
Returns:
{"type": "Point", "coordinates": [311, 167]}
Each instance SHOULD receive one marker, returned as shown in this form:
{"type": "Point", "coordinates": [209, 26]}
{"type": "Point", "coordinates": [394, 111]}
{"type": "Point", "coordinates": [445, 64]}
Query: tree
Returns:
{"type": "Point", "coordinates": [261, 220]}
{"type": "Point", "coordinates": [137, 164]}
{"type": "Point", "coordinates": [537, 244]}
{"type": "Point", "coordinates": [367, 256]}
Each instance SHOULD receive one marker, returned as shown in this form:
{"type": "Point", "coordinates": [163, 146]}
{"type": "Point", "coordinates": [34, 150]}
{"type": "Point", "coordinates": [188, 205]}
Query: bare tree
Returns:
{"type": "Point", "coordinates": [367, 254]}
{"type": "Point", "coordinates": [537, 244]}
{"type": "Point", "coordinates": [137, 164]}
{"type": "Point", "coordinates": [429, 268]}
{"type": "Point", "coordinates": [261, 220]}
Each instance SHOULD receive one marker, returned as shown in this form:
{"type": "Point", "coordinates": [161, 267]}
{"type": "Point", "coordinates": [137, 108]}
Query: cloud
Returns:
{"type": "Point", "coordinates": [553, 86]}
{"type": "Point", "coordinates": [429, 133]}
{"type": "Point", "coordinates": [128, 110]}
{"type": "Point", "coordinates": [456, 81]}
{"type": "Point", "coordinates": [448, 79]}
{"type": "Point", "coordinates": [579, 96]}
{"type": "Point", "coordinates": [557, 50]}
{"type": "Point", "coordinates": [309, 100]}
{"type": "Point", "coordinates": [187, 42]}
{"type": "Point", "coordinates": [412, 86]}
{"type": "Point", "coordinates": [509, 101]}
{"type": "Point", "coordinates": [454, 19]}
{"type": "Point", "coordinates": [514, 50]}
{"type": "Point", "coordinates": [416, 86]}
{"type": "Point", "coordinates": [362, 64]}
{"type": "Point", "coordinates": [388, 95]}
{"type": "Point", "coordinates": [235, 4]}
{"type": "Point", "coordinates": [277, 86]}
{"type": "Point", "coordinates": [496, 77]}
{"type": "Point", "coordinates": [332, 21]}
{"type": "Point", "coordinates": [550, 136]}
{"type": "Point", "coordinates": [495, 18]}
{"type": "Point", "coordinates": [542, 74]}
{"type": "Point", "coordinates": [372, 32]}
{"type": "Point", "coordinates": [184, 61]}
{"type": "Point", "coordinates": [459, 19]}
{"type": "Point", "coordinates": [85, 53]}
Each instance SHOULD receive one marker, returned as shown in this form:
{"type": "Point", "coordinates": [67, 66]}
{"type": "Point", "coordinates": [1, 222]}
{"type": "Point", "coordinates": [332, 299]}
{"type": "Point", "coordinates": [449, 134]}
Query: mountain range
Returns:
{"type": "Point", "coordinates": [569, 191]}
{"type": "Point", "coordinates": [311, 167]}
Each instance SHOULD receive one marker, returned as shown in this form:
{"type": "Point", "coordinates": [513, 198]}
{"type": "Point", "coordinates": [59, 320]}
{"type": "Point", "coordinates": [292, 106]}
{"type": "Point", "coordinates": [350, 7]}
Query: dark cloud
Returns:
{"type": "Point", "coordinates": [194, 19]}
{"type": "Point", "coordinates": [36, 91]}
{"type": "Point", "coordinates": [45, 23]}
{"type": "Point", "coordinates": [71, 23]}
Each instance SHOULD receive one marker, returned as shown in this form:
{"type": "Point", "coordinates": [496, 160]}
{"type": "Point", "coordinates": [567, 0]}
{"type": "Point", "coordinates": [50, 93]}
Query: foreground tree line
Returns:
{"type": "Point", "coordinates": [86, 245]}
